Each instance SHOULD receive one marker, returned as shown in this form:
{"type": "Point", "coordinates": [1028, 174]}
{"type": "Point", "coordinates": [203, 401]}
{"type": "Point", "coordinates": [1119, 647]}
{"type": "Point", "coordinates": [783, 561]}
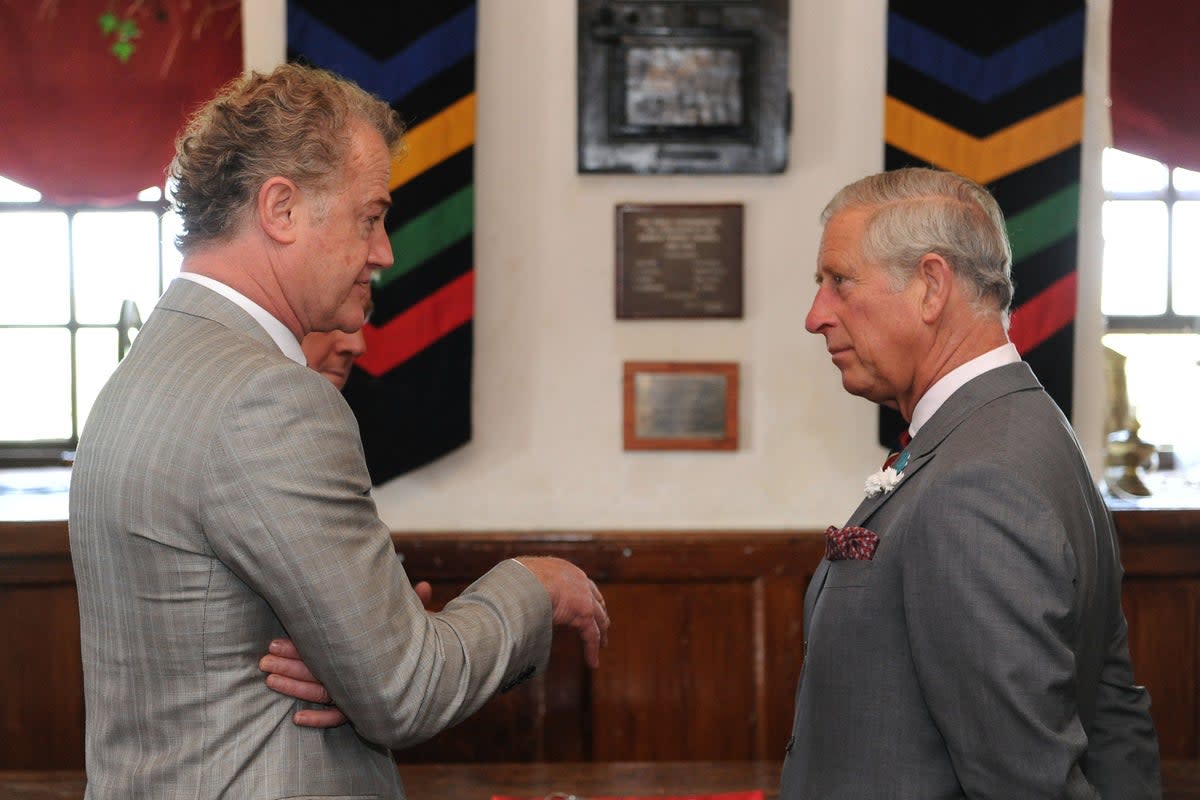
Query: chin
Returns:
{"type": "Point", "coordinates": [855, 388]}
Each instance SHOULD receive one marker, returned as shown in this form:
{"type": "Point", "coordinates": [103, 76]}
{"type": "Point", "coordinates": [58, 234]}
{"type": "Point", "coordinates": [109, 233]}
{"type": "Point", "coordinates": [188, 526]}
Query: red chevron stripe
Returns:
{"type": "Point", "coordinates": [404, 336]}
{"type": "Point", "coordinates": [1045, 315]}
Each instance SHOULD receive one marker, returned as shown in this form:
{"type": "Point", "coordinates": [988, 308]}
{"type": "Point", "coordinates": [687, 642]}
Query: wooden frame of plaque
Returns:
{"type": "Point", "coordinates": [679, 261]}
{"type": "Point", "coordinates": [680, 405]}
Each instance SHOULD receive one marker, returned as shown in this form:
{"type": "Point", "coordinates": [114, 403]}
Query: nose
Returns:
{"type": "Point", "coordinates": [351, 345]}
{"type": "Point", "coordinates": [380, 255]}
{"type": "Point", "coordinates": [818, 314]}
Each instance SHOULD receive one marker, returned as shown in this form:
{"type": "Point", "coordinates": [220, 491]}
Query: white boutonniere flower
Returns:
{"type": "Point", "coordinates": [887, 478]}
{"type": "Point", "coordinates": [883, 481]}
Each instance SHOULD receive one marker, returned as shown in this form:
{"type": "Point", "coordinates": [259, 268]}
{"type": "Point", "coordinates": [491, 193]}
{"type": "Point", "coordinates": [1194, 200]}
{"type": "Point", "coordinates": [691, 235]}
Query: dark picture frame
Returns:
{"type": "Point", "coordinates": [683, 86]}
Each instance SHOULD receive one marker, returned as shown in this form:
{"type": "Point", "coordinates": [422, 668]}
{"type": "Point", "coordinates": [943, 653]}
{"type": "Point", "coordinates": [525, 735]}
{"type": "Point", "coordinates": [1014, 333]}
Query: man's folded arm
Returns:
{"type": "Point", "coordinates": [293, 517]}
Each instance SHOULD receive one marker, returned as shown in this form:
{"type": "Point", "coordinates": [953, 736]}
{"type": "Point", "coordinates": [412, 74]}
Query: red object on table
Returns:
{"type": "Point", "coordinates": [753, 795]}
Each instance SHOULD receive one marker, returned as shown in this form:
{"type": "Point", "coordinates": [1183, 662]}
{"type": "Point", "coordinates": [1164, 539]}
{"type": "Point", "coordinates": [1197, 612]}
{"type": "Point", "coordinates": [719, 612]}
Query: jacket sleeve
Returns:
{"type": "Point", "coordinates": [287, 507]}
{"type": "Point", "coordinates": [1122, 758]}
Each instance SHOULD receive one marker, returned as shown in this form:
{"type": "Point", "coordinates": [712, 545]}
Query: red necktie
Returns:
{"type": "Point", "coordinates": [901, 443]}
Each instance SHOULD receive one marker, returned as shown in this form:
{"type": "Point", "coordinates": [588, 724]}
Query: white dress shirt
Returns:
{"type": "Point", "coordinates": [274, 328]}
{"type": "Point", "coordinates": [949, 383]}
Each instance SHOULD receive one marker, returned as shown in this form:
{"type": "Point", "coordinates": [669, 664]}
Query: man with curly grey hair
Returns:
{"type": "Point", "coordinates": [964, 634]}
{"type": "Point", "coordinates": [220, 504]}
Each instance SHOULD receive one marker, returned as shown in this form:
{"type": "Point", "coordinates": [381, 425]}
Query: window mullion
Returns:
{"type": "Point", "coordinates": [72, 327]}
{"type": "Point", "coordinates": [1171, 197]}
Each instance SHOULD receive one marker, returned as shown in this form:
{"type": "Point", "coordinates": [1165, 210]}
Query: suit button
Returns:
{"type": "Point", "coordinates": [791, 741]}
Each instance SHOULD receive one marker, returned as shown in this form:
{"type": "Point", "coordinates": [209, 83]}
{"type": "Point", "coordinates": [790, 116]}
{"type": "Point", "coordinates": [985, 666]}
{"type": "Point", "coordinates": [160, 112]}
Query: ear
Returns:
{"type": "Point", "coordinates": [937, 278]}
{"type": "Point", "coordinates": [277, 201]}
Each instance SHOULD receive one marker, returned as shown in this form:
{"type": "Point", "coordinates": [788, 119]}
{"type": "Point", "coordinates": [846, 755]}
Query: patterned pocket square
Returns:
{"type": "Point", "coordinates": [853, 543]}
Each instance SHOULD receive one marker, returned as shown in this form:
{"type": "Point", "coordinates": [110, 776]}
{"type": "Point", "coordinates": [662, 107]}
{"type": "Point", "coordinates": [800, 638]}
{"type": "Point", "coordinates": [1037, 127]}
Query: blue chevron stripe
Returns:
{"type": "Point", "coordinates": [984, 78]}
{"type": "Point", "coordinates": [394, 78]}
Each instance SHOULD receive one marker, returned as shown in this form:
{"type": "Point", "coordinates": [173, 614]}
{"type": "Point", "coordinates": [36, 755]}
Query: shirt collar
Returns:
{"type": "Point", "coordinates": [278, 332]}
{"type": "Point", "coordinates": [949, 383]}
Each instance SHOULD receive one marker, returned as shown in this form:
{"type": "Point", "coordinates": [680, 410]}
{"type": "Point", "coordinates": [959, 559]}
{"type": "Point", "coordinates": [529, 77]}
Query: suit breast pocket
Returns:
{"type": "Point", "coordinates": [848, 574]}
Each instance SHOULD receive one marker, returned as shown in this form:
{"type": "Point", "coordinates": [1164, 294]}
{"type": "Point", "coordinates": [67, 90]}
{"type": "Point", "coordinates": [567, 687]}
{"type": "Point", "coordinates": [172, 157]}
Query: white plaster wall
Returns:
{"type": "Point", "coordinates": [547, 397]}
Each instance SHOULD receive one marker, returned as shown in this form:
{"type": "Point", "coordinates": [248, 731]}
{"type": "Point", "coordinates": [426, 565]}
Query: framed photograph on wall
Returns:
{"type": "Point", "coordinates": [683, 86]}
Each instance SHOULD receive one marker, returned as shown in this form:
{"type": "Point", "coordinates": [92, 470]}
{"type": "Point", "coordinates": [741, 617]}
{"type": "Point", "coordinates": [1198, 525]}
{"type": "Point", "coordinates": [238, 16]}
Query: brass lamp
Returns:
{"type": "Point", "coordinates": [1126, 454]}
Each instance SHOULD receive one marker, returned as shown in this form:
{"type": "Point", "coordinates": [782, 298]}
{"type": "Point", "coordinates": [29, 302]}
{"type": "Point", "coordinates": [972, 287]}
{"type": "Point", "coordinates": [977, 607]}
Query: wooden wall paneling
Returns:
{"type": "Point", "coordinates": [678, 679]}
{"type": "Point", "coordinates": [544, 719]}
{"type": "Point", "coordinates": [1160, 542]}
{"type": "Point", "coordinates": [621, 559]}
{"type": "Point", "coordinates": [1165, 648]}
{"type": "Point", "coordinates": [567, 696]}
{"type": "Point", "coordinates": [783, 655]}
{"type": "Point", "coordinates": [1160, 550]}
{"type": "Point", "coordinates": [41, 677]}
{"type": "Point", "coordinates": [704, 654]}
{"type": "Point", "coordinates": [506, 728]}
{"type": "Point", "coordinates": [41, 670]}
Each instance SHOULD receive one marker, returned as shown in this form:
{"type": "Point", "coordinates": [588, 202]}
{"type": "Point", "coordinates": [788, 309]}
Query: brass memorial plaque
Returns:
{"type": "Point", "coordinates": [681, 406]}
{"type": "Point", "coordinates": [679, 261]}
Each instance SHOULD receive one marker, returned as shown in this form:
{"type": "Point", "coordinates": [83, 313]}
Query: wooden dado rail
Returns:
{"type": "Point", "coordinates": [702, 661]}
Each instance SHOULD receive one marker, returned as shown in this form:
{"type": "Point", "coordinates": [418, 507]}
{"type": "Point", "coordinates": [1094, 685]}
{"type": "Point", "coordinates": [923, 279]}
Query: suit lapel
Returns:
{"type": "Point", "coordinates": [868, 507]}
{"type": "Point", "coordinates": [958, 408]}
{"type": "Point", "coordinates": [973, 395]}
{"type": "Point", "coordinates": [916, 460]}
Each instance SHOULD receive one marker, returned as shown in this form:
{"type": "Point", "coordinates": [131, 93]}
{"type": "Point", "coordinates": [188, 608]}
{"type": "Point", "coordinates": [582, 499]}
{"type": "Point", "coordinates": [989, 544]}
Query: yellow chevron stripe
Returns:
{"type": "Point", "coordinates": [984, 160]}
{"type": "Point", "coordinates": [435, 140]}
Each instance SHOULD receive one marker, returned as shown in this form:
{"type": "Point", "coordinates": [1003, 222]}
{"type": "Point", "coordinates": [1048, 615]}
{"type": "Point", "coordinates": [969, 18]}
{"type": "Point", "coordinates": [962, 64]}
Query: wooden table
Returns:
{"type": "Point", "coordinates": [590, 779]}
{"type": "Point", "coordinates": [1181, 780]}
{"type": "Point", "coordinates": [481, 781]}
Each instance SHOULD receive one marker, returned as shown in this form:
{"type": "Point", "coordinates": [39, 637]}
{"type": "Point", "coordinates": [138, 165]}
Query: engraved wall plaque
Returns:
{"type": "Point", "coordinates": [681, 406]}
{"type": "Point", "coordinates": [679, 261]}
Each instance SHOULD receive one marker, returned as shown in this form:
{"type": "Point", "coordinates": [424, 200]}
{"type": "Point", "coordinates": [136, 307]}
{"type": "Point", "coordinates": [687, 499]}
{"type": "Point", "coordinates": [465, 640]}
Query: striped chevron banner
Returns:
{"type": "Point", "coordinates": [994, 91]}
{"type": "Point", "coordinates": [411, 391]}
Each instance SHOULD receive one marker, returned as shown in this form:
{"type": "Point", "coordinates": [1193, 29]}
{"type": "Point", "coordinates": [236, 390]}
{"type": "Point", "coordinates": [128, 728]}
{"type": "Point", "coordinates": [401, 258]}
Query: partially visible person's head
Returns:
{"type": "Point", "coordinates": [332, 353]}
{"type": "Point", "coordinates": [292, 122]}
{"type": "Point", "coordinates": [913, 278]}
{"type": "Point", "coordinates": [914, 211]}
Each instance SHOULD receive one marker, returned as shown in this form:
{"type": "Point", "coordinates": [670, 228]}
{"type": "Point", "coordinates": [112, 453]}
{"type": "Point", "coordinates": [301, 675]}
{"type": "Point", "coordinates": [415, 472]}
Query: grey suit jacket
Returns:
{"type": "Point", "coordinates": [220, 499]}
{"type": "Point", "coordinates": [982, 651]}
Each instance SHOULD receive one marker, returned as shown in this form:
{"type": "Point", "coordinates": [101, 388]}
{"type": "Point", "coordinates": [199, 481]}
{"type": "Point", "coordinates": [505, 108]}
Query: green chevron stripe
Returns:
{"type": "Point", "coordinates": [1044, 223]}
{"type": "Point", "coordinates": [430, 233]}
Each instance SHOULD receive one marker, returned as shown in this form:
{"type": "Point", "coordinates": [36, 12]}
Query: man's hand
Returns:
{"type": "Point", "coordinates": [288, 674]}
{"type": "Point", "coordinates": [425, 592]}
{"type": "Point", "coordinates": [574, 600]}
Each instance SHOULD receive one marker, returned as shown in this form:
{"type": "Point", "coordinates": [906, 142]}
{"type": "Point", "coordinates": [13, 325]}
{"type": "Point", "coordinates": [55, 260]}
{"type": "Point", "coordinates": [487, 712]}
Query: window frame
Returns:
{"type": "Point", "coordinates": [1168, 321]}
{"type": "Point", "coordinates": [61, 452]}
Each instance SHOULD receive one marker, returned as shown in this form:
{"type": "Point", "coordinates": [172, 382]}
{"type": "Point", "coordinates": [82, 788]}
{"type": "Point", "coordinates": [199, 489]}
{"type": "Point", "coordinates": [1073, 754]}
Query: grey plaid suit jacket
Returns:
{"type": "Point", "coordinates": [220, 499]}
{"type": "Point", "coordinates": [982, 652]}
